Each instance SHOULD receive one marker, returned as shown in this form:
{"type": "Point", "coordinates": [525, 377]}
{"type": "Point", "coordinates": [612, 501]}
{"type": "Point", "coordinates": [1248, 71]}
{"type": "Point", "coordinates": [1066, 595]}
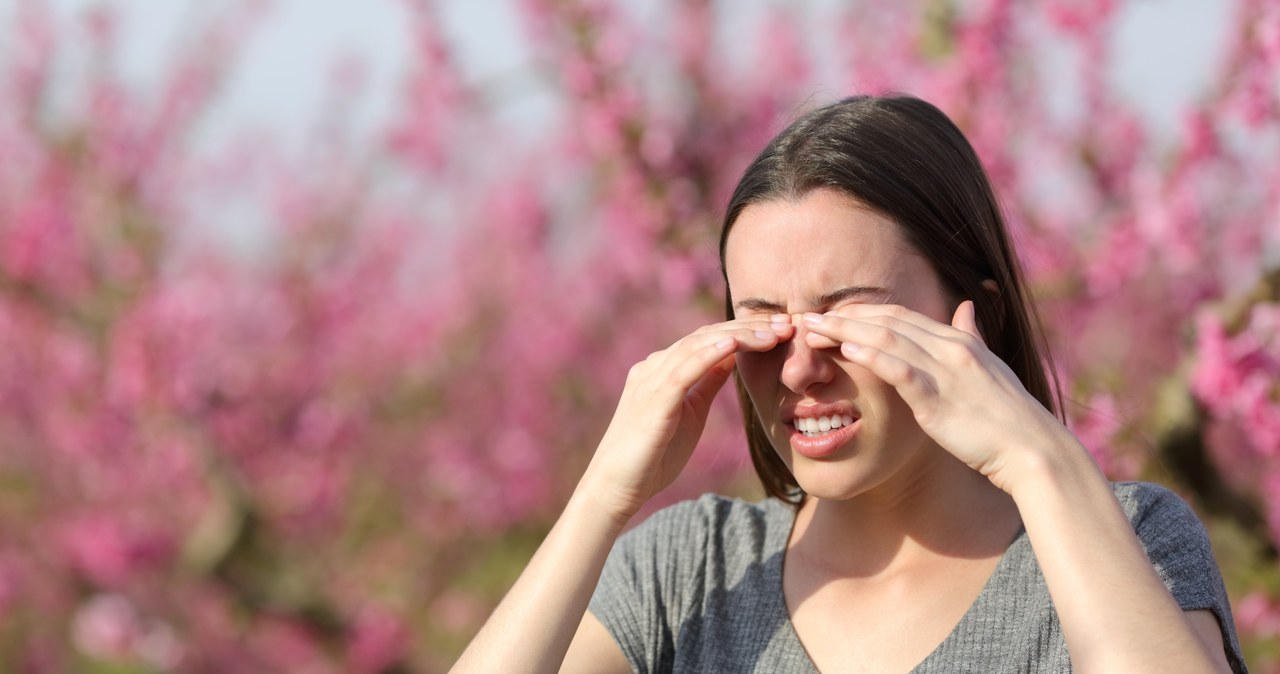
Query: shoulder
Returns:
{"type": "Point", "coordinates": [1164, 523]}
{"type": "Point", "coordinates": [711, 536]}
{"type": "Point", "coordinates": [1140, 499]}
{"type": "Point", "coordinates": [713, 512]}
{"type": "Point", "coordinates": [711, 527]}
{"type": "Point", "coordinates": [1155, 511]}
{"type": "Point", "coordinates": [1179, 549]}
{"type": "Point", "coordinates": [667, 573]}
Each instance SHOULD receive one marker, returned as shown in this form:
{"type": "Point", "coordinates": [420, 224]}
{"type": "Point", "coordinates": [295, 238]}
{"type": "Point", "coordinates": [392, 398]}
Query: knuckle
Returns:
{"type": "Point", "coordinates": [904, 373]}
{"type": "Point", "coordinates": [676, 376]}
{"type": "Point", "coordinates": [874, 359]}
{"type": "Point", "coordinates": [638, 370]}
{"type": "Point", "coordinates": [962, 352]}
{"type": "Point", "coordinates": [884, 338]}
{"type": "Point", "coordinates": [970, 340]}
{"type": "Point", "coordinates": [673, 373]}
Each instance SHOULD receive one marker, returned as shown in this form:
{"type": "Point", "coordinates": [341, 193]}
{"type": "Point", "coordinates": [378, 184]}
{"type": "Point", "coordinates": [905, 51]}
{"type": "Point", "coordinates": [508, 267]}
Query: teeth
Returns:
{"type": "Point", "coordinates": [811, 427]}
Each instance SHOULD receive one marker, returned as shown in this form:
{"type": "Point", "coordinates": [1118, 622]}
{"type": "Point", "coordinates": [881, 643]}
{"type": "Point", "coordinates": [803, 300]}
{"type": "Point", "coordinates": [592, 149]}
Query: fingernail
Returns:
{"type": "Point", "coordinates": [780, 318]}
{"type": "Point", "coordinates": [724, 342]}
{"type": "Point", "coordinates": [764, 334]}
{"type": "Point", "coordinates": [812, 318]}
{"type": "Point", "coordinates": [848, 348]}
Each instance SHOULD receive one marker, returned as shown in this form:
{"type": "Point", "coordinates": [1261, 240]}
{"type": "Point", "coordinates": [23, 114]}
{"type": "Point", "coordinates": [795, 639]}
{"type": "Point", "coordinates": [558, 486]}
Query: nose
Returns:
{"type": "Point", "coordinates": [805, 367]}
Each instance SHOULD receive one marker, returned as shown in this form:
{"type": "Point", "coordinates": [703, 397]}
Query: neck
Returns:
{"type": "Point", "coordinates": [944, 509]}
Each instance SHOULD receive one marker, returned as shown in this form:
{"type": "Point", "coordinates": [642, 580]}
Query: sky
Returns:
{"type": "Point", "coordinates": [282, 76]}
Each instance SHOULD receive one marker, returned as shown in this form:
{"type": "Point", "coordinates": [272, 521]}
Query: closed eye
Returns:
{"type": "Point", "coordinates": [820, 303]}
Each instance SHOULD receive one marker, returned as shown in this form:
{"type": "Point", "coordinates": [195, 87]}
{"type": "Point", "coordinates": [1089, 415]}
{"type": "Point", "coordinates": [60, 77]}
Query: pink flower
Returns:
{"type": "Point", "coordinates": [109, 627]}
{"type": "Point", "coordinates": [413, 341]}
{"type": "Point", "coordinates": [1257, 614]}
{"type": "Point", "coordinates": [378, 641]}
{"type": "Point", "coordinates": [1236, 376]}
{"type": "Point", "coordinates": [1095, 426]}
{"type": "Point", "coordinates": [106, 627]}
{"type": "Point", "coordinates": [109, 551]}
{"type": "Point", "coordinates": [12, 580]}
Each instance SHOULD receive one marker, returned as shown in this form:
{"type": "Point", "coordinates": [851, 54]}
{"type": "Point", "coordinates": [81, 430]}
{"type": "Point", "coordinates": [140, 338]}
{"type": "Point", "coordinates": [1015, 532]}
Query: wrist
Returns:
{"type": "Point", "coordinates": [1062, 463]}
{"type": "Point", "coordinates": [1051, 461]}
{"type": "Point", "coordinates": [600, 499]}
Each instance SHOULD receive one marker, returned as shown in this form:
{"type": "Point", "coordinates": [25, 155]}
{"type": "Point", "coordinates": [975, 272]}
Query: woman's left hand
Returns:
{"type": "Point", "coordinates": [962, 395]}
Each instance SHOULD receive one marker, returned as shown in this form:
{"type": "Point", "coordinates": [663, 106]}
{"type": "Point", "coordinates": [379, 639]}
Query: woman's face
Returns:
{"type": "Point", "coordinates": [820, 253]}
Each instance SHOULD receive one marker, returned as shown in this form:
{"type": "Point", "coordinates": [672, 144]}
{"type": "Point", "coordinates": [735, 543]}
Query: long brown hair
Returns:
{"type": "Point", "coordinates": [905, 158]}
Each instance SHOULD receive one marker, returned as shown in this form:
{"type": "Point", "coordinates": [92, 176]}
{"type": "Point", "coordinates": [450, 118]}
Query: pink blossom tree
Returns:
{"type": "Point", "coordinates": [333, 455]}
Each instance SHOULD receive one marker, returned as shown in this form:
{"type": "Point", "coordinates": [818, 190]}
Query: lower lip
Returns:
{"type": "Point", "coordinates": [823, 445]}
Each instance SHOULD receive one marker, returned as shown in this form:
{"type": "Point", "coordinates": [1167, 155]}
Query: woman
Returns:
{"type": "Point", "coordinates": [927, 511]}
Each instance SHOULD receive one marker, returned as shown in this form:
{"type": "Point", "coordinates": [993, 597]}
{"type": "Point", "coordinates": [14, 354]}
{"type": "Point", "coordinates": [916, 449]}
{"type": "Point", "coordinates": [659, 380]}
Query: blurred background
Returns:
{"type": "Point", "coordinates": [311, 313]}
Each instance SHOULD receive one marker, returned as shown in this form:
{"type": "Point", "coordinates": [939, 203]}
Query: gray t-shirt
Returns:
{"type": "Point", "coordinates": [698, 588]}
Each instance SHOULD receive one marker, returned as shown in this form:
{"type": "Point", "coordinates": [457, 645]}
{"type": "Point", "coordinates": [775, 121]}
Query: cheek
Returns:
{"type": "Point", "coordinates": [759, 371]}
{"type": "Point", "coordinates": [881, 399]}
{"type": "Point", "coordinates": [872, 392]}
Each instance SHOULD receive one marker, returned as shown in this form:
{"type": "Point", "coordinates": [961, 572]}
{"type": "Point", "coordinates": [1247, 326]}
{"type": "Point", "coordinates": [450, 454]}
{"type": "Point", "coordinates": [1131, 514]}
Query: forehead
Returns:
{"type": "Point", "coordinates": [787, 250]}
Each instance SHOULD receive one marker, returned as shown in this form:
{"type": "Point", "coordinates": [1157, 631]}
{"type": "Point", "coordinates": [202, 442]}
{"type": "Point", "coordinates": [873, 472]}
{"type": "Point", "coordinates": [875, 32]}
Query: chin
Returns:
{"type": "Point", "coordinates": [833, 493]}
{"type": "Point", "coordinates": [833, 483]}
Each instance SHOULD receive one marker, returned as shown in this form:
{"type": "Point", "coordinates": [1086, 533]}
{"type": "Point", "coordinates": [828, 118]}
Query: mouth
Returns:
{"type": "Point", "coordinates": [820, 430]}
{"type": "Point", "coordinates": [813, 427]}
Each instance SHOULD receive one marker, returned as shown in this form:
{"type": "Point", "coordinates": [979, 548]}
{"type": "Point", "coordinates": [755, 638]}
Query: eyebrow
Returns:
{"type": "Point", "coordinates": [819, 302]}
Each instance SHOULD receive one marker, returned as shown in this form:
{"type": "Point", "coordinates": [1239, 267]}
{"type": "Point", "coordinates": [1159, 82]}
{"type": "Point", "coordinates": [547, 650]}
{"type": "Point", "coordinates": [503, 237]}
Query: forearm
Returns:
{"type": "Point", "coordinates": [659, 419]}
{"type": "Point", "coordinates": [1116, 613]}
{"type": "Point", "coordinates": [532, 628]}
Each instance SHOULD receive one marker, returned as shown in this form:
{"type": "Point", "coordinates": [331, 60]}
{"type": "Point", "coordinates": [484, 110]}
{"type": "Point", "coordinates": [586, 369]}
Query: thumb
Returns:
{"type": "Point", "coordinates": [965, 319]}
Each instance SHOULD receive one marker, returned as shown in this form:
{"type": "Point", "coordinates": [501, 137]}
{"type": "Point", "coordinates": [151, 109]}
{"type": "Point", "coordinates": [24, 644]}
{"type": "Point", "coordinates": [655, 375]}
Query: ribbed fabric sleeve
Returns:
{"type": "Point", "coordinates": [1178, 547]}
{"type": "Point", "coordinates": [698, 587]}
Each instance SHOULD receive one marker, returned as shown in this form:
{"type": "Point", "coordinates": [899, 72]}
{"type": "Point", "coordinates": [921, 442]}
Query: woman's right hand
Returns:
{"type": "Point", "coordinates": [664, 408]}
{"type": "Point", "coordinates": [654, 430]}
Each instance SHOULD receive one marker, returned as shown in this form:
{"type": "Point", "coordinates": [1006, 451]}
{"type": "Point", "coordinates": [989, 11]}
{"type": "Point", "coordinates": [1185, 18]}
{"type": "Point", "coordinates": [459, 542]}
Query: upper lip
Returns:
{"type": "Point", "coordinates": [815, 409]}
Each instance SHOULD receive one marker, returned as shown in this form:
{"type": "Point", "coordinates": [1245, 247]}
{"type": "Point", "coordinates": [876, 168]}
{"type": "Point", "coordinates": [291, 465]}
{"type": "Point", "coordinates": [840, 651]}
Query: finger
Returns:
{"type": "Point", "coordinates": [747, 331]}
{"type": "Point", "coordinates": [892, 311]}
{"type": "Point", "coordinates": [704, 391]}
{"type": "Point", "coordinates": [903, 340]}
{"type": "Point", "coordinates": [688, 360]}
{"type": "Point", "coordinates": [776, 322]}
{"type": "Point", "coordinates": [938, 339]}
{"type": "Point", "coordinates": [688, 372]}
{"type": "Point", "coordinates": [837, 327]}
{"type": "Point", "coordinates": [965, 319]}
{"type": "Point", "coordinates": [750, 335]}
{"type": "Point", "coordinates": [820, 341]}
{"type": "Point", "coordinates": [911, 382]}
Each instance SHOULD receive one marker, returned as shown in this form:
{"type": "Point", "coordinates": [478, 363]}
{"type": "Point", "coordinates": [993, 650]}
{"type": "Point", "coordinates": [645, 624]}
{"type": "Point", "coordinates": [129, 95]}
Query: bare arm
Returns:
{"type": "Point", "coordinates": [594, 650]}
{"type": "Point", "coordinates": [1093, 565]}
{"type": "Point", "coordinates": [1116, 613]}
{"type": "Point", "coordinates": [657, 424]}
{"type": "Point", "coordinates": [533, 626]}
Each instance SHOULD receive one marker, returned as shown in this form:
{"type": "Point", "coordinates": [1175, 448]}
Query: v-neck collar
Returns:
{"type": "Point", "coordinates": [978, 607]}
